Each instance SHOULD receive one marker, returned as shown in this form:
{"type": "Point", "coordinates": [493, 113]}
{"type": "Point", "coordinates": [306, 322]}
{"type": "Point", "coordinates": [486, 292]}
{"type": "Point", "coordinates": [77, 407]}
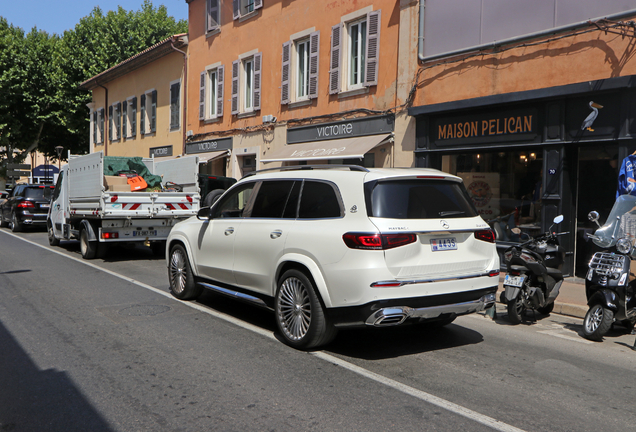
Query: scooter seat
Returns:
{"type": "Point", "coordinates": [516, 268]}
{"type": "Point", "coordinates": [555, 273]}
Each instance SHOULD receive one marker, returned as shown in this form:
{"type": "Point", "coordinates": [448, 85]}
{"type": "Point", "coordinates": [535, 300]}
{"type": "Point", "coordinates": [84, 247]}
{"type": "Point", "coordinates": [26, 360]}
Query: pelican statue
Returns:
{"type": "Point", "coordinates": [587, 123]}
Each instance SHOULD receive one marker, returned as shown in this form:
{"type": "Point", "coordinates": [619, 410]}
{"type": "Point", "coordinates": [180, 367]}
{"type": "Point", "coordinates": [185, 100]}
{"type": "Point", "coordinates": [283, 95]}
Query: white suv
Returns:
{"type": "Point", "coordinates": [339, 246]}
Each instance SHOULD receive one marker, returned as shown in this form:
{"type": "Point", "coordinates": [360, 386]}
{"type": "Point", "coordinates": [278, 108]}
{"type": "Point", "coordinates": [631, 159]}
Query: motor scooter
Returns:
{"type": "Point", "coordinates": [611, 278]}
{"type": "Point", "coordinates": [534, 274]}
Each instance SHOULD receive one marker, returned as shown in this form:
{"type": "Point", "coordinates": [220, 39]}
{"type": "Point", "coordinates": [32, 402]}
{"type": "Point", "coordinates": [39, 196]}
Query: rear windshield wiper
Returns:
{"type": "Point", "coordinates": [451, 212]}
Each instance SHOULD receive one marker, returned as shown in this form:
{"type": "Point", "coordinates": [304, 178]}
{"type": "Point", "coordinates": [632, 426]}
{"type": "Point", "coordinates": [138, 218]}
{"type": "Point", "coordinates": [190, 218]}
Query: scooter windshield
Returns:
{"type": "Point", "coordinates": [620, 223]}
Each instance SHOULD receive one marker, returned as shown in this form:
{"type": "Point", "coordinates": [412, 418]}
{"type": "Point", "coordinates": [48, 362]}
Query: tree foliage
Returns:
{"type": "Point", "coordinates": [41, 104]}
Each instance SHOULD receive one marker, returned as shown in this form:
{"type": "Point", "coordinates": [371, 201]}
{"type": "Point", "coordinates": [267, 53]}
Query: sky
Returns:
{"type": "Point", "coordinates": [56, 16]}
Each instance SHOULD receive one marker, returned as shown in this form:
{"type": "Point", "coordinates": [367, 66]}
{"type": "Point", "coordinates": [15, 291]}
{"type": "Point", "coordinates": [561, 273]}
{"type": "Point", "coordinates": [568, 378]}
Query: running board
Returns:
{"type": "Point", "coordinates": [235, 294]}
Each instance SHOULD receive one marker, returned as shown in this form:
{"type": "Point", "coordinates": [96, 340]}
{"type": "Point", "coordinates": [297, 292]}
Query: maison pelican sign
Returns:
{"type": "Point", "coordinates": [342, 129]}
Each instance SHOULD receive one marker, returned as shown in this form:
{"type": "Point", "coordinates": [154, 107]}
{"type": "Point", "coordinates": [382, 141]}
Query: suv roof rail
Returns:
{"type": "Point", "coordinates": [307, 167]}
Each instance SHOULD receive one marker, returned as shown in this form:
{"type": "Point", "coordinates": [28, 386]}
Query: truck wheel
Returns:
{"type": "Point", "coordinates": [211, 197]}
{"type": "Point", "coordinates": [182, 284]}
{"type": "Point", "coordinates": [87, 248]}
{"type": "Point", "coordinates": [53, 241]}
{"type": "Point", "coordinates": [16, 226]}
{"type": "Point", "coordinates": [597, 322]}
{"type": "Point", "coordinates": [299, 314]}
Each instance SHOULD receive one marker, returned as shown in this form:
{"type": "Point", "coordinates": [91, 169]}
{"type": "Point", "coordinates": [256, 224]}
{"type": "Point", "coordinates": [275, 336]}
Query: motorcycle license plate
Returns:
{"type": "Point", "coordinates": [443, 244]}
{"type": "Point", "coordinates": [515, 281]}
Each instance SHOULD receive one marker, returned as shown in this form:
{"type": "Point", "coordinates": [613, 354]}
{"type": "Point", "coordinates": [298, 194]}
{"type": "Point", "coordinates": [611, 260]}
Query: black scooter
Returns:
{"type": "Point", "coordinates": [610, 281]}
{"type": "Point", "coordinates": [534, 274]}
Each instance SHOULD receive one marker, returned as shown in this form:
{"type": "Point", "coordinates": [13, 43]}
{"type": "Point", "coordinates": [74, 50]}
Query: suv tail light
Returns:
{"type": "Point", "coordinates": [485, 235]}
{"type": "Point", "coordinates": [371, 241]}
{"type": "Point", "coordinates": [26, 204]}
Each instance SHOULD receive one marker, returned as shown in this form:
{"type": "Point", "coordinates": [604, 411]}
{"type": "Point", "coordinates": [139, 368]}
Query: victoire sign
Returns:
{"type": "Point", "coordinates": [161, 151]}
{"type": "Point", "coordinates": [342, 129]}
{"type": "Point", "coordinates": [209, 145]}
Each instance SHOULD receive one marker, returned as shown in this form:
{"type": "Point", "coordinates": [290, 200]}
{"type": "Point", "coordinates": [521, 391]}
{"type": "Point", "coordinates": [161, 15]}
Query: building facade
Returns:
{"type": "Point", "coordinates": [138, 106]}
{"type": "Point", "coordinates": [273, 82]}
{"type": "Point", "coordinates": [538, 122]}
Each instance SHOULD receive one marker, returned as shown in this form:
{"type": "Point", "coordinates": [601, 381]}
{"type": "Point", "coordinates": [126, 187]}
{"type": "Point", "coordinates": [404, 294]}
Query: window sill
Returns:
{"type": "Point", "coordinates": [246, 114]}
{"type": "Point", "coordinates": [299, 104]}
{"type": "Point", "coordinates": [211, 33]}
{"type": "Point", "coordinates": [355, 92]}
{"type": "Point", "coordinates": [212, 120]}
{"type": "Point", "coordinates": [248, 16]}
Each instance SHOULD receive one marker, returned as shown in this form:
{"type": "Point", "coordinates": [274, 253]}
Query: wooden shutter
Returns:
{"type": "Point", "coordinates": [258, 60]}
{"type": "Point", "coordinates": [110, 123]}
{"type": "Point", "coordinates": [213, 14]}
{"type": "Point", "coordinates": [101, 125]}
{"type": "Point", "coordinates": [373, 48]}
{"type": "Point", "coordinates": [235, 87]}
{"type": "Point", "coordinates": [236, 5]}
{"type": "Point", "coordinates": [133, 117]}
{"type": "Point", "coordinates": [124, 119]}
{"type": "Point", "coordinates": [175, 89]}
{"type": "Point", "coordinates": [153, 112]}
{"type": "Point", "coordinates": [334, 68]}
{"type": "Point", "coordinates": [95, 126]}
{"type": "Point", "coordinates": [285, 72]}
{"type": "Point", "coordinates": [314, 59]}
{"type": "Point", "coordinates": [258, 4]}
{"type": "Point", "coordinates": [142, 117]}
{"type": "Point", "coordinates": [202, 95]}
{"type": "Point", "coordinates": [220, 76]}
{"type": "Point", "coordinates": [118, 121]}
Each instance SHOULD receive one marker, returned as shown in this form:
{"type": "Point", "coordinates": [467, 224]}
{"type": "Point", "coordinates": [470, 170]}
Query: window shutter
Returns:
{"type": "Point", "coordinates": [110, 123]}
{"type": "Point", "coordinates": [220, 74]}
{"type": "Point", "coordinates": [142, 117]}
{"type": "Point", "coordinates": [334, 68]}
{"type": "Point", "coordinates": [101, 125]}
{"type": "Point", "coordinates": [258, 59]}
{"type": "Point", "coordinates": [236, 4]}
{"type": "Point", "coordinates": [174, 106]}
{"type": "Point", "coordinates": [235, 86]}
{"type": "Point", "coordinates": [133, 117]}
{"type": "Point", "coordinates": [284, 85]}
{"type": "Point", "coordinates": [213, 14]}
{"type": "Point", "coordinates": [373, 48]}
{"type": "Point", "coordinates": [153, 112]}
{"type": "Point", "coordinates": [95, 126]}
{"type": "Point", "coordinates": [124, 119]}
{"type": "Point", "coordinates": [258, 4]}
{"type": "Point", "coordinates": [314, 57]}
{"type": "Point", "coordinates": [202, 96]}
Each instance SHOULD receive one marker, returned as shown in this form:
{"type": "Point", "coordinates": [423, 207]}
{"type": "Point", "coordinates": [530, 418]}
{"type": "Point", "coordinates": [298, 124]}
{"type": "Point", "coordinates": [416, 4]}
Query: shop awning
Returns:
{"type": "Point", "coordinates": [345, 148]}
{"type": "Point", "coordinates": [210, 156]}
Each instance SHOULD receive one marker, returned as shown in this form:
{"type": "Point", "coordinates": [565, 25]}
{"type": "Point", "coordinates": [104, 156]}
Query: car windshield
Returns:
{"type": "Point", "coordinates": [620, 223]}
{"type": "Point", "coordinates": [419, 199]}
{"type": "Point", "coordinates": [38, 192]}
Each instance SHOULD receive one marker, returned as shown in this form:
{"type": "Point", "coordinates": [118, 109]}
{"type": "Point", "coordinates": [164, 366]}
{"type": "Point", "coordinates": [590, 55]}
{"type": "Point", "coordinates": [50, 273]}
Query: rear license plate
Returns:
{"type": "Point", "coordinates": [144, 233]}
{"type": "Point", "coordinates": [44, 206]}
{"type": "Point", "coordinates": [443, 244]}
{"type": "Point", "coordinates": [515, 281]}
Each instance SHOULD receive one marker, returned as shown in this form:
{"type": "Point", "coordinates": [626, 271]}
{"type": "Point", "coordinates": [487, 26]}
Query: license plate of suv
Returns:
{"type": "Point", "coordinates": [443, 244]}
{"type": "Point", "coordinates": [515, 281]}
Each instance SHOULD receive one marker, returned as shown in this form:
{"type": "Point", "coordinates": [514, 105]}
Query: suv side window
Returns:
{"type": "Point", "coordinates": [271, 199]}
{"type": "Point", "coordinates": [319, 200]}
{"type": "Point", "coordinates": [232, 205]}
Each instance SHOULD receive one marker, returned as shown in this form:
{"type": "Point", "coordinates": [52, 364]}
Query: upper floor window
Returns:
{"type": "Point", "coordinates": [213, 15]}
{"type": "Point", "coordinates": [211, 93]}
{"type": "Point", "coordinates": [300, 69]}
{"type": "Point", "coordinates": [98, 126]}
{"type": "Point", "coordinates": [246, 84]}
{"type": "Point", "coordinates": [114, 121]}
{"type": "Point", "coordinates": [148, 115]}
{"type": "Point", "coordinates": [245, 7]}
{"type": "Point", "coordinates": [354, 58]}
{"type": "Point", "coordinates": [129, 117]}
{"type": "Point", "coordinates": [175, 105]}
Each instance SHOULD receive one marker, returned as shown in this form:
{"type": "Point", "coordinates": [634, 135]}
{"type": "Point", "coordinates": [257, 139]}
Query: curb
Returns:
{"type": "Point", "coordinates": [572, 310]}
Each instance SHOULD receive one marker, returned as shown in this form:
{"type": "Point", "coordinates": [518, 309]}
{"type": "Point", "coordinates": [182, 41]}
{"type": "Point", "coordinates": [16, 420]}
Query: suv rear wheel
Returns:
{"type": "Point", "coordinates": [299, 313]}
{"type": "Point", "coordinates": [16, 226]}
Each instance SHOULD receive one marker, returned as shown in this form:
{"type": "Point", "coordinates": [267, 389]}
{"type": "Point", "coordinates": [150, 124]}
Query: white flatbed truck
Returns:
{"type": "Point", "coordinates": [84, 208]}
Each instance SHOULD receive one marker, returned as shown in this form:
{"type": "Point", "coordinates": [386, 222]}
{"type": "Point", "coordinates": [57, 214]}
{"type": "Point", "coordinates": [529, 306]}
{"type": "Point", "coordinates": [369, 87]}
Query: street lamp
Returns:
{"type": "Point", "coordinates": [59, 149]}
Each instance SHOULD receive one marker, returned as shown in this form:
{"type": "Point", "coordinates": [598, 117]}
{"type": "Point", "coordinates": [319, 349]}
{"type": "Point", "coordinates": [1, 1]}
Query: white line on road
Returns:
{"type": "Point", "coordinates": [396, 385]}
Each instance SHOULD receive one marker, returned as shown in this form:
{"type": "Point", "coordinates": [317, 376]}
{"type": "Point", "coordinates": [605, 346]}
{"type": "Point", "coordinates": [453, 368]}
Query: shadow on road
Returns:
{"type": "Point", "coordinates": [117, 252]}
{"type": "Point", "coordinates": [37, 400]}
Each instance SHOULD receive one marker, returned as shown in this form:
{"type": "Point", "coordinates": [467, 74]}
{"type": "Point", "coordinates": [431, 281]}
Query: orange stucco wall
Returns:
{"type": "Point", "coordinates": [266, 32]}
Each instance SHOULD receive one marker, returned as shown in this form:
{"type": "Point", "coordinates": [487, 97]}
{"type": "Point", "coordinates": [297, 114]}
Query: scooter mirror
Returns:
{"type": "Point", "coordinates": [558, 219]}
{"type": "Point", "coordinates": [593, 216]}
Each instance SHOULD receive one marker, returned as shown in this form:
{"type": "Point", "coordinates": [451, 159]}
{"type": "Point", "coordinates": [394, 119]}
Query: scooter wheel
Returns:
{"type": "Point", "coordinates": [546, 309]}
{"type": "Point", "coordinates": [515, 310]}
{"type": "Point", "coordinates": [597, 322]}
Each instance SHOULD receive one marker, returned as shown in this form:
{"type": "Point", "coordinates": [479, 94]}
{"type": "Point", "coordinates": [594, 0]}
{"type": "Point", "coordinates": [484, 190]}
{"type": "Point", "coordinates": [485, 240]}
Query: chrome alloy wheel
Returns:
{"type": "Point", "coordinates": [178, 271]}
{"type": "Point", "coordinates": [594, 320]}
{"type": "Point", "coordinates": [294, 308]}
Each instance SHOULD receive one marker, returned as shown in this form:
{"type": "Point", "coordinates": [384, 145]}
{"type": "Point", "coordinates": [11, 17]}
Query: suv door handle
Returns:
{"type": "Point", "coordinates": [275, 234]}
{"type": "Point", "coordinates": [229, 231]}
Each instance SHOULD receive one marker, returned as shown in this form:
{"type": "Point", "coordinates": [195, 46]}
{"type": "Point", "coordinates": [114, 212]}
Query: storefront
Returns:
{"type": "Point", "coordinates": [213, 155]}
{"type": "Point", "coordinates": [527, 157]}
{"type": "Point", "coordinates": [364, 141]}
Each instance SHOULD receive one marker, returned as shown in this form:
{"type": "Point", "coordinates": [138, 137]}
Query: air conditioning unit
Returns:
{"type": "Point", "coordinates": [189, 133]}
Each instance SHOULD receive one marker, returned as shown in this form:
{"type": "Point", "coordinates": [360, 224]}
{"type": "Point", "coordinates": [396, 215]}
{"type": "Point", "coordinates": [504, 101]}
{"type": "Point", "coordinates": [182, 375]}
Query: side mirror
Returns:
{"type": "Point", "coordinates": [593, 216]}
{"type": "Point", "coordinates": [204, 213]}
{"type": "Point", "coordinates": [558, 219]}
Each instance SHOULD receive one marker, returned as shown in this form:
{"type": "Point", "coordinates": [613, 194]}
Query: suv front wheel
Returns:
{"type": "Point", "coordinates": [299, 313]}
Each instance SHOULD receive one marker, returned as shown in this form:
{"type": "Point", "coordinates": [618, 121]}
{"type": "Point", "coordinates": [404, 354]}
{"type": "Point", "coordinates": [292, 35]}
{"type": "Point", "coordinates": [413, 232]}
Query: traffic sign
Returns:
{"type": "Point", "coordinates": [18, 166]}
{"type": "Point", "coordinates": [18, 173]}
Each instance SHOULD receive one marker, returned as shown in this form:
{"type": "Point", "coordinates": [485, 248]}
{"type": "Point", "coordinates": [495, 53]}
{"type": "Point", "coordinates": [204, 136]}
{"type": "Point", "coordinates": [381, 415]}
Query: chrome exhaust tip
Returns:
{"type": "Point", "coordinates": [388, 317]}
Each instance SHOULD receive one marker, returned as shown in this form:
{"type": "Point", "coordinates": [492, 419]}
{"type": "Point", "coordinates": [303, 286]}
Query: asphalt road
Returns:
{"type": "Point", "coordinates": [100, 345]}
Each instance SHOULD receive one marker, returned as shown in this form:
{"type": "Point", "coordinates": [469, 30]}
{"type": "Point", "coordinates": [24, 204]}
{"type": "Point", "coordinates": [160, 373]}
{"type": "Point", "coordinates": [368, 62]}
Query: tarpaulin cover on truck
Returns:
{"type": "Point", "coordinates": [114, 164]}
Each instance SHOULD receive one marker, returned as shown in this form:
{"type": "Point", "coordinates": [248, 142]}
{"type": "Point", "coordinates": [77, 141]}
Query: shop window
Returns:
{"type": "Point", "coordinates": [505, 187]}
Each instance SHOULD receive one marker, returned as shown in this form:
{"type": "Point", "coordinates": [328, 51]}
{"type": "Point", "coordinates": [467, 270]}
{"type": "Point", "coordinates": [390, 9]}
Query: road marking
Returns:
{"type": "Point", "coordinates": [426, 397]}
{"type": "Point", "coordinates": [556, 333]}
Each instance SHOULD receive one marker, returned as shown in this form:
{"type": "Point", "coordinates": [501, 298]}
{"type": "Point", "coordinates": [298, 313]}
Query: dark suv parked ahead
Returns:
{"type": "Point", "coordinates": [27, 204]}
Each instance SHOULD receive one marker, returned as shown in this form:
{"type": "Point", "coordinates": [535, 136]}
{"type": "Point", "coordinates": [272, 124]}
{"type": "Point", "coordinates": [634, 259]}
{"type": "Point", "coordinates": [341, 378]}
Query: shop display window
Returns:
{"type": "Point", "coordinates": [505, 186]}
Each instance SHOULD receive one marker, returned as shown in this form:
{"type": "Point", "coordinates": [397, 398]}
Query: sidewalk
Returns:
{"type": "Point", "coordinates": [571, 300]}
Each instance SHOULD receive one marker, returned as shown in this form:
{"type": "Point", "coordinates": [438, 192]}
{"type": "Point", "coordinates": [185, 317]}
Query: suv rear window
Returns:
{"type": "Point", "coordinates": [38, 192]}
{"type": "Point", "coordinates": [418, 199]}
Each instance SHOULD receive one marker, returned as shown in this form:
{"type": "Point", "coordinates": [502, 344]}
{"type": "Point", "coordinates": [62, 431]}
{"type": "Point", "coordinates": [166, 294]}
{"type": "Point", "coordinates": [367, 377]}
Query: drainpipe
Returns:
{"type": "Point", "coordinates": [185, 94]}
{"type": "Point", "coordinates": [106, 120]}
{"type": "Point", "coordinates": [496, 44]}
